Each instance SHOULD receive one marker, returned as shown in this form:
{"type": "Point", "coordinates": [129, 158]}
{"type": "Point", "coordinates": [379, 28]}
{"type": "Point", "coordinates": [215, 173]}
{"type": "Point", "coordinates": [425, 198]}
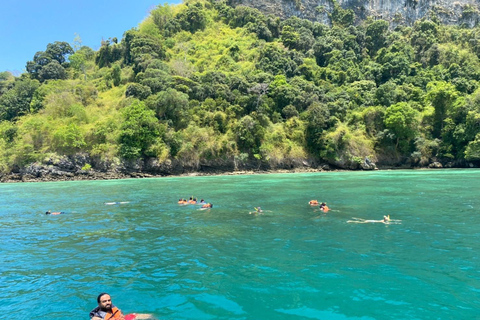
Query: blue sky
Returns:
{"type": "Point", "coordinates": [27, 26]}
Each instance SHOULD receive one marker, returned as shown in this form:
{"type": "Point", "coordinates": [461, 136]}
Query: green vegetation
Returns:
{"type": "Point", "coordinates": [203, 82]}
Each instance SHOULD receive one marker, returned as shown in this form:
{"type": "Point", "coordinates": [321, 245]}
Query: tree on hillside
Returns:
{"type": "Point", "coordinates": [138, 131]}
{"type": "Point", "coordinates": [442, 96]}
{"type": "Point", "coordinates": [53, 60]}
{"type": "Point", "coordinates": [401, 120]}
{"type": "Point", "coordinates": [16, 101]}
{"type": "Point", "coordinates": [193, 18]}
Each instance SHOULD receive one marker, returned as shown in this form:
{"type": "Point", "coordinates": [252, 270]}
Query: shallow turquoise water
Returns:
{"type": "Point", "coordinates": [154, 256]}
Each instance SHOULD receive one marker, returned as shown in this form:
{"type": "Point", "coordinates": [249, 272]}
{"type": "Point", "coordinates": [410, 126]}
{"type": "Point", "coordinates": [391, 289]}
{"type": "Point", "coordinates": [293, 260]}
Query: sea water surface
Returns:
{"type": "Point", "coordinates": [293, 262]}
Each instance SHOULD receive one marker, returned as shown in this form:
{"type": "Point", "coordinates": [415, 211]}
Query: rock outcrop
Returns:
{"type": "Point", "coordinates": [398, 12]}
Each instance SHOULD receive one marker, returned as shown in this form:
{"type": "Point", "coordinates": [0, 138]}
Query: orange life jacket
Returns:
{"type": "Point", "coordinates": [313, 202]}
{"type": "Point", "coordinates": [325, 209]}
{"type": "Point", "coordinates": [115, 315]}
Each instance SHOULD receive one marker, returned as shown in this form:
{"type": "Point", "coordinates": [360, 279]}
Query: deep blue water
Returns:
{"type": "Point", "coordinates": [176, 262]}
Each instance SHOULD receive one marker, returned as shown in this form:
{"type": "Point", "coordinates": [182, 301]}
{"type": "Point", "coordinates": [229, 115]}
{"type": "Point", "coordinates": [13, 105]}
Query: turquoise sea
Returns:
{"type": "Point", "coordinates": [177, 262]}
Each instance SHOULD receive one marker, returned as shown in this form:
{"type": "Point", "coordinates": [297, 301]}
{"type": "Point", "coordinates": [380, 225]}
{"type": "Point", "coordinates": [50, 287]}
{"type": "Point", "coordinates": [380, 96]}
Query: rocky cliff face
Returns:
{"type": "Point", "coordinates": [398, 12]}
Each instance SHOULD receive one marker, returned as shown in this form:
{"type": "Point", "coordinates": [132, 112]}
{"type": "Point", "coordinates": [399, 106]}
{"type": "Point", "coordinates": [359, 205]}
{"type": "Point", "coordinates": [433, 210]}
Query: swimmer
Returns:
{"type": "Point", "coordinates": [192, 200]}
{"type": "Point", "coordinates": [313, 202]}
{"type": "Point", "coordinates": [206, 206]}
{"type": "Point", "coordinates": [258, 210]}
{"type": "Point", "coordinates": [385, 220]}
{"type": "Point", "coordinates": [54, 213]}
{"type": "Point", "coordinates": [324, 207]}
{"type": "Point", "coordinates": [182, 201]}
{"type": "Point", "coordinates": [202, 202]}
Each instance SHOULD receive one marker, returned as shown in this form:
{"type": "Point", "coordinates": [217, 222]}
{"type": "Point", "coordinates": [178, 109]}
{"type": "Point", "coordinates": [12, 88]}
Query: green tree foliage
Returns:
{"type": "Point", "coordinates": [317, 118]}
{"type": "Point", "coordinates": [16, 101]}
{"type": "Point", "coordinates": [164, 18]}
{"type": "Point", "coordinates": [81, 60]}
{"type": "Point", "coordinates": [139, 130]}
{"type": "Point", "coordinates": [138, 90]}
{"type": "Point", "coordinates": [53, 60]}
{"type": "Point", "coordinates": [401, 120]}
{"type": "Point", "coordinates": [276, 60]}
{"type": "Point", "coordinates": [424, 36]}
{"type": "Point", "coordinates": [340, 16]}
{"type": "Point", "coordinates": [192, 18]}
{"type": "Point", "coordinates": [68, 139]}
{"type": "Point", "coordinates": [266, 28]}
{"type": "Point", "coordinates": [472, 153]}
{"type": "Point", "coordinates": [376, 36]}
{"type": "Point", "coordinates": [140, 48]}
{"type": "Point", "coordinates": [170, 106]}
{"type": "Point", "coordinates": [442, 96]}
{"type": "Point", "coordinates": [6, 81]}
{"type": "Point", "coordinates": [108, 53]}
{"type": "Point", "coordinates": [249, 134]}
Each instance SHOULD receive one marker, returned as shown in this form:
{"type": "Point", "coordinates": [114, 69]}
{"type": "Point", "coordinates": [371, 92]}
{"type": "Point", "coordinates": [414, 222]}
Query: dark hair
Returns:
{"type": "Point", "coordinates": [100, 295]}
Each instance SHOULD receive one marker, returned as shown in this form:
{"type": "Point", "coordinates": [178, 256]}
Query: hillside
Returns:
{"type": "Point", "coordinates": [209, 87]}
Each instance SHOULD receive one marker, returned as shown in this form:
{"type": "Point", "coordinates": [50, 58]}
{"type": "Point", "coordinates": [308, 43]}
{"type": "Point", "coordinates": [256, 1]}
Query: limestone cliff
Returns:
{"type": "Point", "coordinates": [399, 12]}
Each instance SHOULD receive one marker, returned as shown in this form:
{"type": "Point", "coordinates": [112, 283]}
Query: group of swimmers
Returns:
{"type": "Point", "coordinates": [192, 200]}
{"type": "Point", "coordinates": [258, 210]}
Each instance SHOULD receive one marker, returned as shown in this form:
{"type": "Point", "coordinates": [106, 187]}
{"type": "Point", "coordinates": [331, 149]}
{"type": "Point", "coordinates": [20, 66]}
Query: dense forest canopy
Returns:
{"type": "Point", "coordinates": [207, 83]}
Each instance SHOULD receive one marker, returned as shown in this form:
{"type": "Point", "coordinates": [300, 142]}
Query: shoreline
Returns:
{"type": "Point", "coordinates": [95, 175]}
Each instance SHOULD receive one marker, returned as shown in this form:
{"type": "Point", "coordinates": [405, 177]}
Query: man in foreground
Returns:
{"type": "Point", "coordinates": [106, 310]}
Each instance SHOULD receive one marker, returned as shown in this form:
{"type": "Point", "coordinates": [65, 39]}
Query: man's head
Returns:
{"type": "Point", "coordinates": [104, 301]}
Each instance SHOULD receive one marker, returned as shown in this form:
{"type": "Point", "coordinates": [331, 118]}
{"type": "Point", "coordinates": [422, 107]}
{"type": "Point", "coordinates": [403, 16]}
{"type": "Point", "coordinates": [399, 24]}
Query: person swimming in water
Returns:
{"type": "Point", "coordinates": [54, 213]}
{"type": "Point", "coordinates": [258, 210]}
{"type": "Point", "coordinates": [206, 206]}
{"type": "Point", "coordinates": [324, 207]}
{"type": "Point", "coordinates": [386, 220]}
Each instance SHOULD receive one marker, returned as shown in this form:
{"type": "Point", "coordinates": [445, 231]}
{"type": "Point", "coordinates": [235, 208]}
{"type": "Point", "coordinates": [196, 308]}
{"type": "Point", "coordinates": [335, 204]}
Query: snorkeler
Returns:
{"type": "Point", "coordinates": [258, 210]}
{"type": "Point", "coordinates": [385, 220]}
{"type": "Point", "coordinates": [206, 206]}
{"type": "Point", "coordinates": [324, 207]}
{"type": "Point", "coordinates": [54, 213]}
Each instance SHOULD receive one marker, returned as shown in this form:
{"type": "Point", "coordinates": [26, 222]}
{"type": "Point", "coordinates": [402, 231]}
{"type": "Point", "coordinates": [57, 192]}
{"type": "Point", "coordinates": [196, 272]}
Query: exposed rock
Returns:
{"type": "Point", "coordinates": [367, 164]}
{"type": "Point", "coordinates": [435, 165]}
{"type": "Point", "coordinates": [398, 12]}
